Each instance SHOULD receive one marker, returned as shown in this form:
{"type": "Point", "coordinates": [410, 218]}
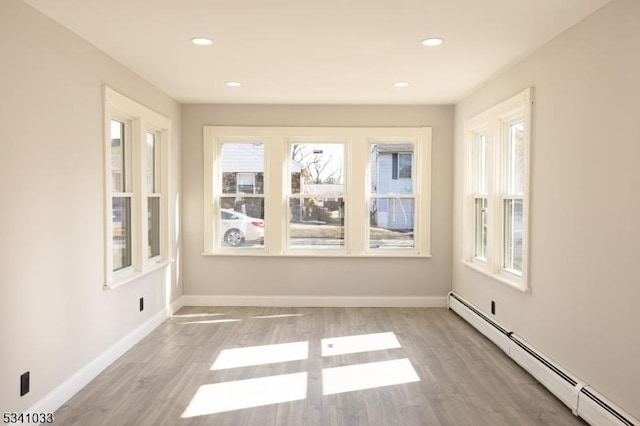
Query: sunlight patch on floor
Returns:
{"type": "Point", "coordinates": [361, 343]}
{"type": "Point", "coordinates": [260, 355]}
{"type": "Point", "coordinates": [211, 321]}
{"type": "Point", "coordinates": [279, 316]}
{"type": "Point", "coordinates": [240, 394]}
{"type": "Point", "coordinates": [367, 376]}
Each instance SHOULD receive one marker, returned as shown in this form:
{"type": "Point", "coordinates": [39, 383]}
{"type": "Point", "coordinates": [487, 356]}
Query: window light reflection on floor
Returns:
{"type": "Point", "coordinates": [219, 321]}
{"type": "Point", "coordinates": [361, 343]}
{"type": "Point", "coordinates": [197, 315]}
{"type": "Point", "coordinates": [260, 355]}
{"type": "Point", "coordinates": [278, 316]}
{"type": "Point", "coordinates": [367, 376]}
{"type": "Point", "coordinates": [229, 396]}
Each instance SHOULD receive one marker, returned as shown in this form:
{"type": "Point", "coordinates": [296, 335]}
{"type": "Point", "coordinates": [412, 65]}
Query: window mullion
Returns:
{"type": "Point", "coordinates": [139, 205]}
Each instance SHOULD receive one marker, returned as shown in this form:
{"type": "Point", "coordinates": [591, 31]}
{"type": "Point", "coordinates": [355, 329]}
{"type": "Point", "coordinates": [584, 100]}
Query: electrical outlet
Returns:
{"type": "Point", "coordinates": [24, 384]}
{"type": "Point", "coordinates": [141, 304]}
{"type": "Point", "coordinates": [493, 307]}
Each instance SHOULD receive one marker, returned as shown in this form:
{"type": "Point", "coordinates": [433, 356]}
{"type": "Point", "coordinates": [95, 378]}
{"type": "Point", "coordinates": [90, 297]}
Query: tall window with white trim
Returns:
{"type": "Point", "coordinates": [121, 193]}
{"type": "Point", "coordinates": [496, 206]}
{"type": "Point", "coordinates": [392, 196]}
{"type": "Point", "coordinates": [136, 207]}
{"type": "Point", "coordinates": [480, 193]}
{"type": "Point", "coordinates": [316, 196]}
{"type": "Point", "coordinates": [153, 193]}
{"type": "Point", "coordinates": [240, 194]}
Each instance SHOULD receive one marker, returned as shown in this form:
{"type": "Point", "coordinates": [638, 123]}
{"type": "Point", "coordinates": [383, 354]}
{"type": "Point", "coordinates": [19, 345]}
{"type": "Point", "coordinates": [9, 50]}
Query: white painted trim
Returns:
{"type": "Point", "coordinates": [356, 140]}
{"type": "Point", "coordinates": [317, 301]}
{"type": "Point", "coordinates": [581, 405]}
{"type": "Point", "coordinates": [63, 392]}
{"type": "Point", "coordinates": [176, 306]}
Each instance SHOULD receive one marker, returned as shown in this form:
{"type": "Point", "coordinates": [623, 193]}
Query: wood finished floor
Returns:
{"type": "Point", "coordinates": [464, 378]}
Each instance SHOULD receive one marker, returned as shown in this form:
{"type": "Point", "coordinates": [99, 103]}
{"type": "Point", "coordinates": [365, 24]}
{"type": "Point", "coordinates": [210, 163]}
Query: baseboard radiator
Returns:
{"type": "Point", "coordinates": [583, 400]}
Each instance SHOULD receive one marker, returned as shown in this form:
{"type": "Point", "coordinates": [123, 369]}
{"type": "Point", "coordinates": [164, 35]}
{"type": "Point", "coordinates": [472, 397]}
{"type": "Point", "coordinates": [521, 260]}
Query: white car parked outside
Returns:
{"type": "Point", "coordinates": [237, 228]}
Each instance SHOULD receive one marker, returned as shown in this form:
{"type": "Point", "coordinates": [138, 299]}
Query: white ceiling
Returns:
{"type": "Point", "coordinates": [317, 52]}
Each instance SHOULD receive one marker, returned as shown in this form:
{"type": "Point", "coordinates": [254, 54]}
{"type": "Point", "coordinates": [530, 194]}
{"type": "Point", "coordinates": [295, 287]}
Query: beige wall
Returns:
{"type": "Point", "coordinates": [55, 316]}
{"type": "Point", "coordinates": [585, 235]}
{"type": "Point", "coordinates": [206, 275]}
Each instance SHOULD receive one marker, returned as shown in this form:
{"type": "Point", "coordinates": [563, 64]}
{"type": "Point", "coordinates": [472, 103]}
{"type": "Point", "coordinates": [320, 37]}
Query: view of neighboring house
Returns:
{"type": "Point", "coordinates": [392, 175]}
{"type": "Point", "coordinates": [243, 173]}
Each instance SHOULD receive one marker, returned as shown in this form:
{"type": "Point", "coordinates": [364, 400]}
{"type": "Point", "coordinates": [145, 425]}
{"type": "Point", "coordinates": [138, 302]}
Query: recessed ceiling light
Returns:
{"type": "Point", "coordinates": [234, 84]}
{"type": "Point", "coordinates": [400, 84]}
{"type": "Point", "coordinates": [432, 41]}
{"type": "Point", "coordinates": [201, 41]}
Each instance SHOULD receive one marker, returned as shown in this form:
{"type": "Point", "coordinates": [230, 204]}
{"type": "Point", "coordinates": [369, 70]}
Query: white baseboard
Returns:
{"type": "Point", "coordinates": [176, 306]}
{"type": "Point", "coordinates": [316, 301]}
{"type": "Point", "coordinates": [62, 393]}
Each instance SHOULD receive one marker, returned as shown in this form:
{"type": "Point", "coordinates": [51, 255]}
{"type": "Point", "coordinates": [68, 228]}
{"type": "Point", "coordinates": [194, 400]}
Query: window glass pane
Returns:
{"type": "Point", "coordinates": [117, 157]}
{"type": "Point", "coordinates": [481, 228]}
{"type": "Point", "coordinates": [480, 164]}
{"type": "Point", "coordinates": [246, 183]}
{"type": "Point", "coordinates": [316, 222]}
{"type": "Point", "coordinates": [317, 168]}
{"type": "Point", "coordinates": [392, 222]}
{"type": "Point", "coordinates": [404, 166]}
{"type": "Point", "coordinates": [513, 215]}
{"type": "Point", "coordinates": [515, 161]}
{"type": "Point", "coordinates": [391, 168]}
{"type": "Point", "coordinates": [153, 226]}
{"type": "Point", "coordinates": [121, 217]}
{"type": "Point", "coordinates": [150, 161]}
{"type": "Point", "coordinates": [242, 222]}
{"type": "Point", "coordinates": [242, 168]}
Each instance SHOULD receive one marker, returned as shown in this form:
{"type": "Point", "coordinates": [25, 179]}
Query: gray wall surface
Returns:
{"type": "Point", "coordinates": [55, 315]}
{"type": "Point", "coordinates": [279, 276]}
{"type": "Point", "coordinates": [582, 309]}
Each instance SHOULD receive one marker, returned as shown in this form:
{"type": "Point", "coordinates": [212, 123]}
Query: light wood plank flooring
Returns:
{"type": "Point", "coordinates": [463, 378]}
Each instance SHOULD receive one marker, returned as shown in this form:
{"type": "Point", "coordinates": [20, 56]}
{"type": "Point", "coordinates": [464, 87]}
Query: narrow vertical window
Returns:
{"type": "Point", "coordinates": [497, 143]}
{"type": "Point", "coordinates": [137, 145]}
{"type": "Point", "coordinates": [392, 198]}
{"type": "Point", "coordinates": [316, 197]}
{"type": "Point", "coordinates": [153, 194]}
{"type": "Point", "coordinates": [121, 195]}
{"type": "Point", "coordinates": [513, 196]}
{"type": "Point", "coordinates": [479, 153]}
{"type": "Point", "coordinates": [241, 195]}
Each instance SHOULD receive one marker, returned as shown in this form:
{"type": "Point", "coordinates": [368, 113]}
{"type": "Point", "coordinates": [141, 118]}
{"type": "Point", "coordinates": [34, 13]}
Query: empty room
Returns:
{"type": "Point", "coordinates": [419, 212]}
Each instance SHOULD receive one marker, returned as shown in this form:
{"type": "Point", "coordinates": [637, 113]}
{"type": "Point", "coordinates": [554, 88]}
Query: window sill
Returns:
{"type": "Point", "coordinates": [513, 282]}
{"type": "Point", "coordinates": [342, 254]}
{"type": "Point", "coordinates": [152, 267]}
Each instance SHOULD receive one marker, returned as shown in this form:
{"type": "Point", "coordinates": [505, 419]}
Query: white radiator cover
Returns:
{"type": "Point", "coordinates": [583, 400]}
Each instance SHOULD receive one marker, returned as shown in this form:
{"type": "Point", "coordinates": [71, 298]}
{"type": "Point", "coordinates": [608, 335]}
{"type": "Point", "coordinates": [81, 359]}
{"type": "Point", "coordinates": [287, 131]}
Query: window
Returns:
{"type": "Point", "coordinates": [121, 194]}
{"type": "Point", "coordinates": [392, 206]}
{"type": "Point", "coordinates": [316, 196]}
{"type": "Point", "coordinates": [136, 149]}
{"type": "Point", "coordinates": [301, 191]}
{"type": "Point", "coordinates": [496, 195]}
{"type": "Point", "coordinates": [240, 194]}
{"type": "Point", "coordinates": [153, 194]}
{"type": "Point", "coordinates": [401, 163]}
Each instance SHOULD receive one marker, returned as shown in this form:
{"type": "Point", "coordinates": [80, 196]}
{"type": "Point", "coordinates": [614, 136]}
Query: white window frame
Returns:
{"type": "Point", "coordinates": [288, 248]}
{"type": "Point", "coordinates": [139, 121]}
{"type": "Point", "coordinates": [213, 151]}
{"type": "Point", "coordinates": [356, 142]}
{"type": "Point", "coordinates": [492, 123]}
{"type": "Point", "coordinates": [418, 179]}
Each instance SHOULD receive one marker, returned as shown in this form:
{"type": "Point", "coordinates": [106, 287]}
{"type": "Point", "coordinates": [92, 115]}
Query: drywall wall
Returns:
{"type": "Point", "coordinates": [582, 309]}
{"type": "Point", "coordinates": [316, 277]}
{"type": "Point", "coordinates": [55, 317]}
